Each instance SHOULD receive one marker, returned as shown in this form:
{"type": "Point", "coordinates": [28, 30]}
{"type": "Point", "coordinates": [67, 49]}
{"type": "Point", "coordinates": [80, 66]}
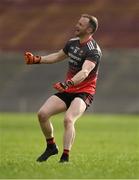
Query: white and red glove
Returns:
{"type": "Point", "coordinates": [31, 59]}
{"type": "Point", "coordinates": [62, 86]}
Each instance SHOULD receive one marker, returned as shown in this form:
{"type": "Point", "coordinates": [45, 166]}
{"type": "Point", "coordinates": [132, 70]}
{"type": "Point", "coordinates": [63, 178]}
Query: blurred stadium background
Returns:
{"type": "Point", "coordinates": [43, 26]}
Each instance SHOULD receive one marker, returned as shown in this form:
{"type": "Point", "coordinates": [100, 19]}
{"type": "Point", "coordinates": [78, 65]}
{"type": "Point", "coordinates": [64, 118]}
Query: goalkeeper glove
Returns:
{"type": "Point", "coordinates": [63, 86]}
{"type": "Point", "coordinates": [31, 59]}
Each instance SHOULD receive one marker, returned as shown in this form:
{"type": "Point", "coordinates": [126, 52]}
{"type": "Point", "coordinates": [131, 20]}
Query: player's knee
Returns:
{"type": "Point", "coordinates": [42, 115]}
{"type": "Point", "coordinates": [68, 121]}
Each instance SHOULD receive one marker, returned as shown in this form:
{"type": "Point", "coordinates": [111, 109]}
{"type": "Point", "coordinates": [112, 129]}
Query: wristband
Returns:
{"type": "Point", "coordinates": [69, 83]}
{"type": "Point", "coordinates": [37, 59]}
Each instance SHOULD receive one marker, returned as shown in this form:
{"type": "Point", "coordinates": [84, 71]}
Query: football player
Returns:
{"type": "Point", "coordinates": [76, 93]}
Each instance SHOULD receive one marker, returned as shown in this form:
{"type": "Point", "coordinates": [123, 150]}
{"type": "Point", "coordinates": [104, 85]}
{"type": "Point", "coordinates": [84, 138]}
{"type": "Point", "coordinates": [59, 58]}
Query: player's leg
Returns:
{"type": "Point", "coordinates": [52, 106]}
{"type": "Point", "coordinates": [75, 110]}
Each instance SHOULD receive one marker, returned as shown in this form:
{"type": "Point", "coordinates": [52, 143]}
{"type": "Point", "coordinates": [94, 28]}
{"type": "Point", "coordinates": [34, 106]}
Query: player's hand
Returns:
{"type": "Point", "coordinates": [63, 86]}
{"type": "Point", "coordinates": [31, 59]}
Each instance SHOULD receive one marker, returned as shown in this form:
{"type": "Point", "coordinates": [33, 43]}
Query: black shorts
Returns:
{"type": "Point", "coordinates": [69, 97]}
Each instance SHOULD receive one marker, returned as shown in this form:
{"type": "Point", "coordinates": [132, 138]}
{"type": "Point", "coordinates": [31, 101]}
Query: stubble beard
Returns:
{"type": "Point", "coordinates": [79, 34]}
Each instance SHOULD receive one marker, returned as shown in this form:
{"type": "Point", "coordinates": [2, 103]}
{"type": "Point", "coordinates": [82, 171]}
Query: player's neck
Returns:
{"type": "Point", "coordinates": [85, 39]}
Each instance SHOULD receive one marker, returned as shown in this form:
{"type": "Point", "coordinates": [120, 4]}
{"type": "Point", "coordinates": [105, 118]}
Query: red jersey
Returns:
{"type": "Point", "coordinates": [78, 53]}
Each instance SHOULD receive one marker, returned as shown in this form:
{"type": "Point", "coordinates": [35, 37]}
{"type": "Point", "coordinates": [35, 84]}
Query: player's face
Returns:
{"type": "Point", "coordinates": [82, 27]}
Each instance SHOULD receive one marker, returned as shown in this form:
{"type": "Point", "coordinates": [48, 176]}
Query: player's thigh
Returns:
{"type": "Point", "coordinates": [53, 105]}
{"type": "Point", "coordinates": [76, 109]}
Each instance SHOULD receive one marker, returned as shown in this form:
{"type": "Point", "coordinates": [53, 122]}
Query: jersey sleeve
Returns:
{"type": "Point", "coordinates": [66, 48]}
{"type": "Point", "coordinates": [93, 55]}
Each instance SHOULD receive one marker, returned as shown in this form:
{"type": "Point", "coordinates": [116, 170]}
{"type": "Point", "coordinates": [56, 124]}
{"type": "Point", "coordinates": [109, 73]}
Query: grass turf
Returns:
{"type": "Point", "coordinates": [106, 147]}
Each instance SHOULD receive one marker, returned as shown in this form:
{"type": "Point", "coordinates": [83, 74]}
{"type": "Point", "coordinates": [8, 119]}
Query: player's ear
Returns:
{"type": "Point", "coordinates": [90, 30]}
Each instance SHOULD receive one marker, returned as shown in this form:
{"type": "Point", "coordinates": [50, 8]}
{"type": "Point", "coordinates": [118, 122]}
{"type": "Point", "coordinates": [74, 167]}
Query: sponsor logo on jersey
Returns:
{"type": "Point", "coordinates": [72, 56]}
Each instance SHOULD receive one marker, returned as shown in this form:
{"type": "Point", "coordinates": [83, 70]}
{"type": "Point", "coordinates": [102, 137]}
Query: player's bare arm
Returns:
{"type": "Point", "coordinates": [87, 67]}
{"type": "Point", "coordinates": [48, 59]}
{"type": "Point", "coordinates": [54, 57]}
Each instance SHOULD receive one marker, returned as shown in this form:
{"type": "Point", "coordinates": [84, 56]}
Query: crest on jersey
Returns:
{"type": "Point", "coordinates": [81, 52]}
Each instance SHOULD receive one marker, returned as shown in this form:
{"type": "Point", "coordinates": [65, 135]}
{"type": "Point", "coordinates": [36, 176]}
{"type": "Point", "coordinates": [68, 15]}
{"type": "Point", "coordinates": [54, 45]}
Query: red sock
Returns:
{"type": "Point", "coordinates": [66, 151]}
{"type": "Point", "coordinates": [50, 140]}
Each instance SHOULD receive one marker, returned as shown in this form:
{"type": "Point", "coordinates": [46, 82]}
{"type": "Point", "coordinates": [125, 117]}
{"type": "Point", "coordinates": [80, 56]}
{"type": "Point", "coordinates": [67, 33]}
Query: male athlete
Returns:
{"type": "Point", "coordinates": [76, 93]}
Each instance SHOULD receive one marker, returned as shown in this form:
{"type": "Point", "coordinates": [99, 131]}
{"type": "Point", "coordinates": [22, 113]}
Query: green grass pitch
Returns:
{"type": "Point", "coordinates": [106, 147]}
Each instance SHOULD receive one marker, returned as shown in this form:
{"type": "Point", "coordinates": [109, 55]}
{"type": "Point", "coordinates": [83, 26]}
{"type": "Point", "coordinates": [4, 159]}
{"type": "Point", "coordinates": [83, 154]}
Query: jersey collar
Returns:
{"type": "Point", "coordinates": [85, 42]}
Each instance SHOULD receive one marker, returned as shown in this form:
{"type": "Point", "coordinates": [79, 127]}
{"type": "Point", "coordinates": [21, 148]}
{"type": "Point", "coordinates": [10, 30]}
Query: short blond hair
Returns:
{"type": "Point", "coordinates": [92, 21]}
